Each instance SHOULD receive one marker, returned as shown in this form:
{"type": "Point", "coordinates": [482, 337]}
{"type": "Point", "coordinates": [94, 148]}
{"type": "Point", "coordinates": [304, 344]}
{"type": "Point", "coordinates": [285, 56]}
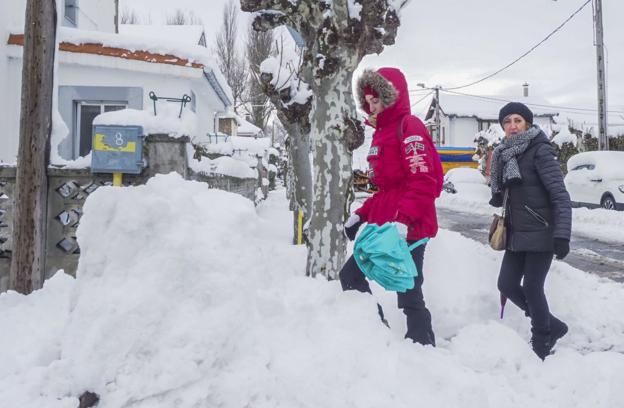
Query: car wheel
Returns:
{"type": "Point", "coordinates": [608, 202]}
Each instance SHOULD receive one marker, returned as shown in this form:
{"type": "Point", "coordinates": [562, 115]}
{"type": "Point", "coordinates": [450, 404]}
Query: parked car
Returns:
{"type": "Point", "coordinates": [465, 180]}
{"type": "Point", "coordinates": [596, 179]}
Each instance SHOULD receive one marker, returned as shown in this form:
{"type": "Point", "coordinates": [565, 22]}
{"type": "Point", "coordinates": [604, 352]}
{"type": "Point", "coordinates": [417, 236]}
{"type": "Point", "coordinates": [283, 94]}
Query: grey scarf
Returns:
{"type": "Point", "coordinates": [505, 170]}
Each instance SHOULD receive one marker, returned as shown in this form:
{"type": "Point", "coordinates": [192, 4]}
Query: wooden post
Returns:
{"type": "Point", "coordinates": [30, 201]}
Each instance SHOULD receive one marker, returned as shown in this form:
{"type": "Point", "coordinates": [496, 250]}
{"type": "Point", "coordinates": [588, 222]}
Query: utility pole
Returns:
{"type": "Point", "coordinates": [31, 187]}
{"type": "Point", "coordinates": [436, 117]}
{"type": "Point", "coordinates": [438, 138]}
{"type": "Point", "coordinates": [603, 137]}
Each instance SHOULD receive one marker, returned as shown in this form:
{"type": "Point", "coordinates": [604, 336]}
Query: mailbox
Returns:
{"type": "Point", "coordinates": [117, 149]}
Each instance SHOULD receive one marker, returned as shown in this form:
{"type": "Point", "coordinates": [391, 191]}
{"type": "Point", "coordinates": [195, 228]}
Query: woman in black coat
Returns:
{"type": "Point", "coordinates": [527, 179]}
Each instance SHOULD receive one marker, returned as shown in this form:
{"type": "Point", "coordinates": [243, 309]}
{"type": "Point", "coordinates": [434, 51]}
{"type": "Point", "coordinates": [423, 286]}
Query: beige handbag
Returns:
{"type": "Point", "coordinates": [498, 231]}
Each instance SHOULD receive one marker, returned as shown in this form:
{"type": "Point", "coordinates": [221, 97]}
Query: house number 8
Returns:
{"type": "Point", "coordinates": [119, 140]}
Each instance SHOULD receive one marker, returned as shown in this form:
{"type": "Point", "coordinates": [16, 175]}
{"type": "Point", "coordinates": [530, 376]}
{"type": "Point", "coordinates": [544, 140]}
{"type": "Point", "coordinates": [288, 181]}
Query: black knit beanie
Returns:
{"type": "Point", "coordinates": [517, 108]}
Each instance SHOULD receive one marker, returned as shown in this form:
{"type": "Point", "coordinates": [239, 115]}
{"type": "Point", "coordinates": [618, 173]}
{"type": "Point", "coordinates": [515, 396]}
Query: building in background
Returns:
{"type": "Point", "coordinates": [100, 71]}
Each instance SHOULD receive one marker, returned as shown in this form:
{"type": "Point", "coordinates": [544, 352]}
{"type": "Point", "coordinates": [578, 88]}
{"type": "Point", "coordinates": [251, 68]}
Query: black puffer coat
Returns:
{"type": "Point", "coordinates": [538, 208]}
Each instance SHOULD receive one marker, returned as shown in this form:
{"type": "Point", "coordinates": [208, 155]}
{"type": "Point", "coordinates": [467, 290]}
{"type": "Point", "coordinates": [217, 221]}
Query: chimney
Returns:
{"type": "Point", "coordinates": [525, 89]}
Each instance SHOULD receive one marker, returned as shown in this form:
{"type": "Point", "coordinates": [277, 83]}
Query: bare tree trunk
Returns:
{"type": "Point", "coordinates": [300, 177]}
{"type": "Point", "coordinates": [29, 221]}
{"type": "Point", "coordinates": [332, 124]}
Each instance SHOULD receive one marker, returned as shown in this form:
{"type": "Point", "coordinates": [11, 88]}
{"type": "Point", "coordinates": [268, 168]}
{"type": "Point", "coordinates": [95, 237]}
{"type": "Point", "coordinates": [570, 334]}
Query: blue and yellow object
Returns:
{"type": "Point", "coordinates": [117, 149]}
{"type": "Point", "coordinates": [453, 157]}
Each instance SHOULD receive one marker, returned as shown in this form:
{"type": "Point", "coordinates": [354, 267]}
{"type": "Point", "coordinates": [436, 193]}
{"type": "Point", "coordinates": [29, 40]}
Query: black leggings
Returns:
{"type": "Point", "coordinates": [531, 268]}
{"type": "Point", "coordinates": [412, 301]}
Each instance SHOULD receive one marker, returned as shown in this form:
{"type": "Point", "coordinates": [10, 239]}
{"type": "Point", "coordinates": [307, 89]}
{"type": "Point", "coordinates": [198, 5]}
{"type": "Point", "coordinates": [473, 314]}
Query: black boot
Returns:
{"type": "Point", "coordinates": [558, 329]}
{"type": "Point", "coordinates": [541, 344]}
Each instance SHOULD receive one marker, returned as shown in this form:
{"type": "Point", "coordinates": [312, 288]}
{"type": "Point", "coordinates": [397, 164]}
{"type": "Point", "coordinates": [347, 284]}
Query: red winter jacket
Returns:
{"type": "Point", "coordinates": [404, 163]}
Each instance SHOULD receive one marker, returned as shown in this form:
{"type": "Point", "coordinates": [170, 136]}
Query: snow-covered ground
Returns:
{"type": "Point", "coordinates": [190, 297]}
{"type": "Point", "coordinates": [600, 224]}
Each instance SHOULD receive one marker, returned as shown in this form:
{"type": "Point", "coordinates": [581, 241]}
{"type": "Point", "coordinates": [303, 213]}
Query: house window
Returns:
{"type": "Point", "coordinates": [71, 13]}
{"type": "Point", "coordinates": [85, 113]}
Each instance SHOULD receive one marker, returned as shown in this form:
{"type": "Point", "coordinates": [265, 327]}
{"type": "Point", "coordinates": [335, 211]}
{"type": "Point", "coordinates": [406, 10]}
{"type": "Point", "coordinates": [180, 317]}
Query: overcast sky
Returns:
{"type": "Point", "coordinates": [454, 42]}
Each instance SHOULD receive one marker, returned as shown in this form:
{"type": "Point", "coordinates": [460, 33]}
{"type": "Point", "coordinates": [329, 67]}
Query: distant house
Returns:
{"type": "Point", "coordinates": [462, 116]}
{"type": "Point", "coordinates": [248, 129]}
{"type": "Point", "coordinates": [100, 71]}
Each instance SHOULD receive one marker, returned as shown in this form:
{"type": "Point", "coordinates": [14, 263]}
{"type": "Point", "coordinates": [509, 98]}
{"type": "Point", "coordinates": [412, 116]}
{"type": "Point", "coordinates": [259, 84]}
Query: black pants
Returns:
{"type": "Point", "coordinates": [531, 268]}
{"type": "Point", "coordinates": [412, 301]}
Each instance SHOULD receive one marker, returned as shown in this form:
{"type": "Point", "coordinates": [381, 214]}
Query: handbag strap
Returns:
{"type": "Point", "coordinates": [418, 243]}
{"type": "Point", "coordinates": [505, 197]}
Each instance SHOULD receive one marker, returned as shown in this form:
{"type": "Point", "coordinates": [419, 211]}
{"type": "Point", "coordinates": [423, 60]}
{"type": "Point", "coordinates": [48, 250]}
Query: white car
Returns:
{"type": "Point", "coordinates": [596, 179]}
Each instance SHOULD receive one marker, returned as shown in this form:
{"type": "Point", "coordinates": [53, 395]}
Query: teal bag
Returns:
{"type": "Point", "coordinates": [383, 256]}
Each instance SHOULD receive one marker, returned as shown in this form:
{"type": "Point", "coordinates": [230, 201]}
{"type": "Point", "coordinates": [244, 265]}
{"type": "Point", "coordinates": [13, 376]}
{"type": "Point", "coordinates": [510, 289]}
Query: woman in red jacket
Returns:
{"type": "Point", "coordinates": [405, 166]}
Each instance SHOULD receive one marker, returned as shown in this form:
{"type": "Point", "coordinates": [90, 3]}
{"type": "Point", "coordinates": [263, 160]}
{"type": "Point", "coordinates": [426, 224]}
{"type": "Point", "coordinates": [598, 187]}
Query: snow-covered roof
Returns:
{"type": "Point", "coordinates": [188, 34]}
{"type": "Point", "coordinates": [141, 48]}
{"type": "Point", "coordinates": [248, 128]}
{"type": "Point", "coordinates": [487, 108]}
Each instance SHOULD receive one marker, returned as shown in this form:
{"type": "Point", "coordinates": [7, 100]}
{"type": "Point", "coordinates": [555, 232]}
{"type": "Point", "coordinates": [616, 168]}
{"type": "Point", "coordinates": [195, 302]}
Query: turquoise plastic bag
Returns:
{"type": "Point", "coordinates": [385, 257]}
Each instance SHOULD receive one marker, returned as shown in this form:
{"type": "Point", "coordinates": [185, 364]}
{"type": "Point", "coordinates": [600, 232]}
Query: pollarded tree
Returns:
{"type": "Point", "coordinates": [279, 79]}
{"type": "Point", "coordinates": [337, 35]}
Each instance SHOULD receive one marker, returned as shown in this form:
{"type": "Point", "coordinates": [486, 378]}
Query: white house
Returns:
{"type": "Point", "coordinates": [101, 71]}
{"type": "Point", "coordinates": [248, 129]}
{"type": "Point", "coordinates": [462, 116]}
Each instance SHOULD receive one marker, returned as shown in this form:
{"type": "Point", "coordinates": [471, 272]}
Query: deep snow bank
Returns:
{"type": "Point", "coordinates": [190, 297]}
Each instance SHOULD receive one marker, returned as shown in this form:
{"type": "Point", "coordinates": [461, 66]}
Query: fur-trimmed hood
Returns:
{"type": "Point", "coordinates": [391, 86]}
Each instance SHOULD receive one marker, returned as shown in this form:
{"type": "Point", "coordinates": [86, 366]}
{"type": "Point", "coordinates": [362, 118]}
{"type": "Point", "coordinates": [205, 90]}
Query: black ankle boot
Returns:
{"type": "Point", "coordinates": [541, 344]}
{"type": "Point", "coordinates": [558, 329]}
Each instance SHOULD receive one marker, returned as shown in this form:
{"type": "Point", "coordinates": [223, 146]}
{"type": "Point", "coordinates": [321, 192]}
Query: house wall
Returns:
{"type": "Point", "coordinates": [462, 131]}
{"type": "Point", "coordinates": [98, 15]}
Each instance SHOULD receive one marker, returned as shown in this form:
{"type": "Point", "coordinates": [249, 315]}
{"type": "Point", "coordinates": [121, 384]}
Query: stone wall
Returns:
{"type": "Point", "coordinates": [68, 190]}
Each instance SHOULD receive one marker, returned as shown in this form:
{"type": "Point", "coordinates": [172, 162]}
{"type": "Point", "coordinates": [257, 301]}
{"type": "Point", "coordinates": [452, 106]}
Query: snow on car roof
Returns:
{"type": "Point", "coordinates": [608, 163]}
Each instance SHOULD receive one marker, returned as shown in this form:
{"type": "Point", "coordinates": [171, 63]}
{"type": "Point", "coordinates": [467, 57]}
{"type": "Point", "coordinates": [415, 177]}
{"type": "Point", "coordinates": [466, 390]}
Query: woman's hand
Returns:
{"type": "Point", "coordinates": [562, 248]}
{"type": "Point", "coordinates": [352, 226]}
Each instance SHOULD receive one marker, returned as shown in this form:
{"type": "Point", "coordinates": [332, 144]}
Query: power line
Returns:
{"type": "Point", "coordinates": [421, 99]}
{"type": "Point", "coordinates": [526, 53]}
{"type": "Point", "coordinates": [564, 108]}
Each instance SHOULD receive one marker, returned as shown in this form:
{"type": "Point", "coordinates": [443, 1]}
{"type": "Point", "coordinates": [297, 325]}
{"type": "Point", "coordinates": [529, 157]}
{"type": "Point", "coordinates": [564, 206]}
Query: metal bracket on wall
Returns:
{"type": "Point", "coordinates": [183, 101]}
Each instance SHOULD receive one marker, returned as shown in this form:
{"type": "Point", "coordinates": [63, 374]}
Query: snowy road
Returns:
{"type": "Point", "coordinates": [590, 255]}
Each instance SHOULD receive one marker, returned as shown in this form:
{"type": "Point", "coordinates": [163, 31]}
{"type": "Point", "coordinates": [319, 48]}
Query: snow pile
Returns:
{"type": "Point", "coordinates": [165, 121]}
{"type": "Point", "coordinates": [224, 165]}
{"type": "Point", "coordinates": [464, 175]}
{"type": "Point", "coordinates": [564, 136]}
{"type": "Point", "coordinates": [601, 224]}
{"type": "Point", "coordinates": [187, 297]}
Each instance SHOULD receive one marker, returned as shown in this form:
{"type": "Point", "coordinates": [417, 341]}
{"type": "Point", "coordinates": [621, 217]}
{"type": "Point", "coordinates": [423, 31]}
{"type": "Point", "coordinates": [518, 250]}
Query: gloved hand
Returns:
{"type": "Point", "coordinates": [352, 226]}
{"type": "Point", "coordinates": [562, 247]}
{"type": "Point", "coordinates": [402, 229]}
